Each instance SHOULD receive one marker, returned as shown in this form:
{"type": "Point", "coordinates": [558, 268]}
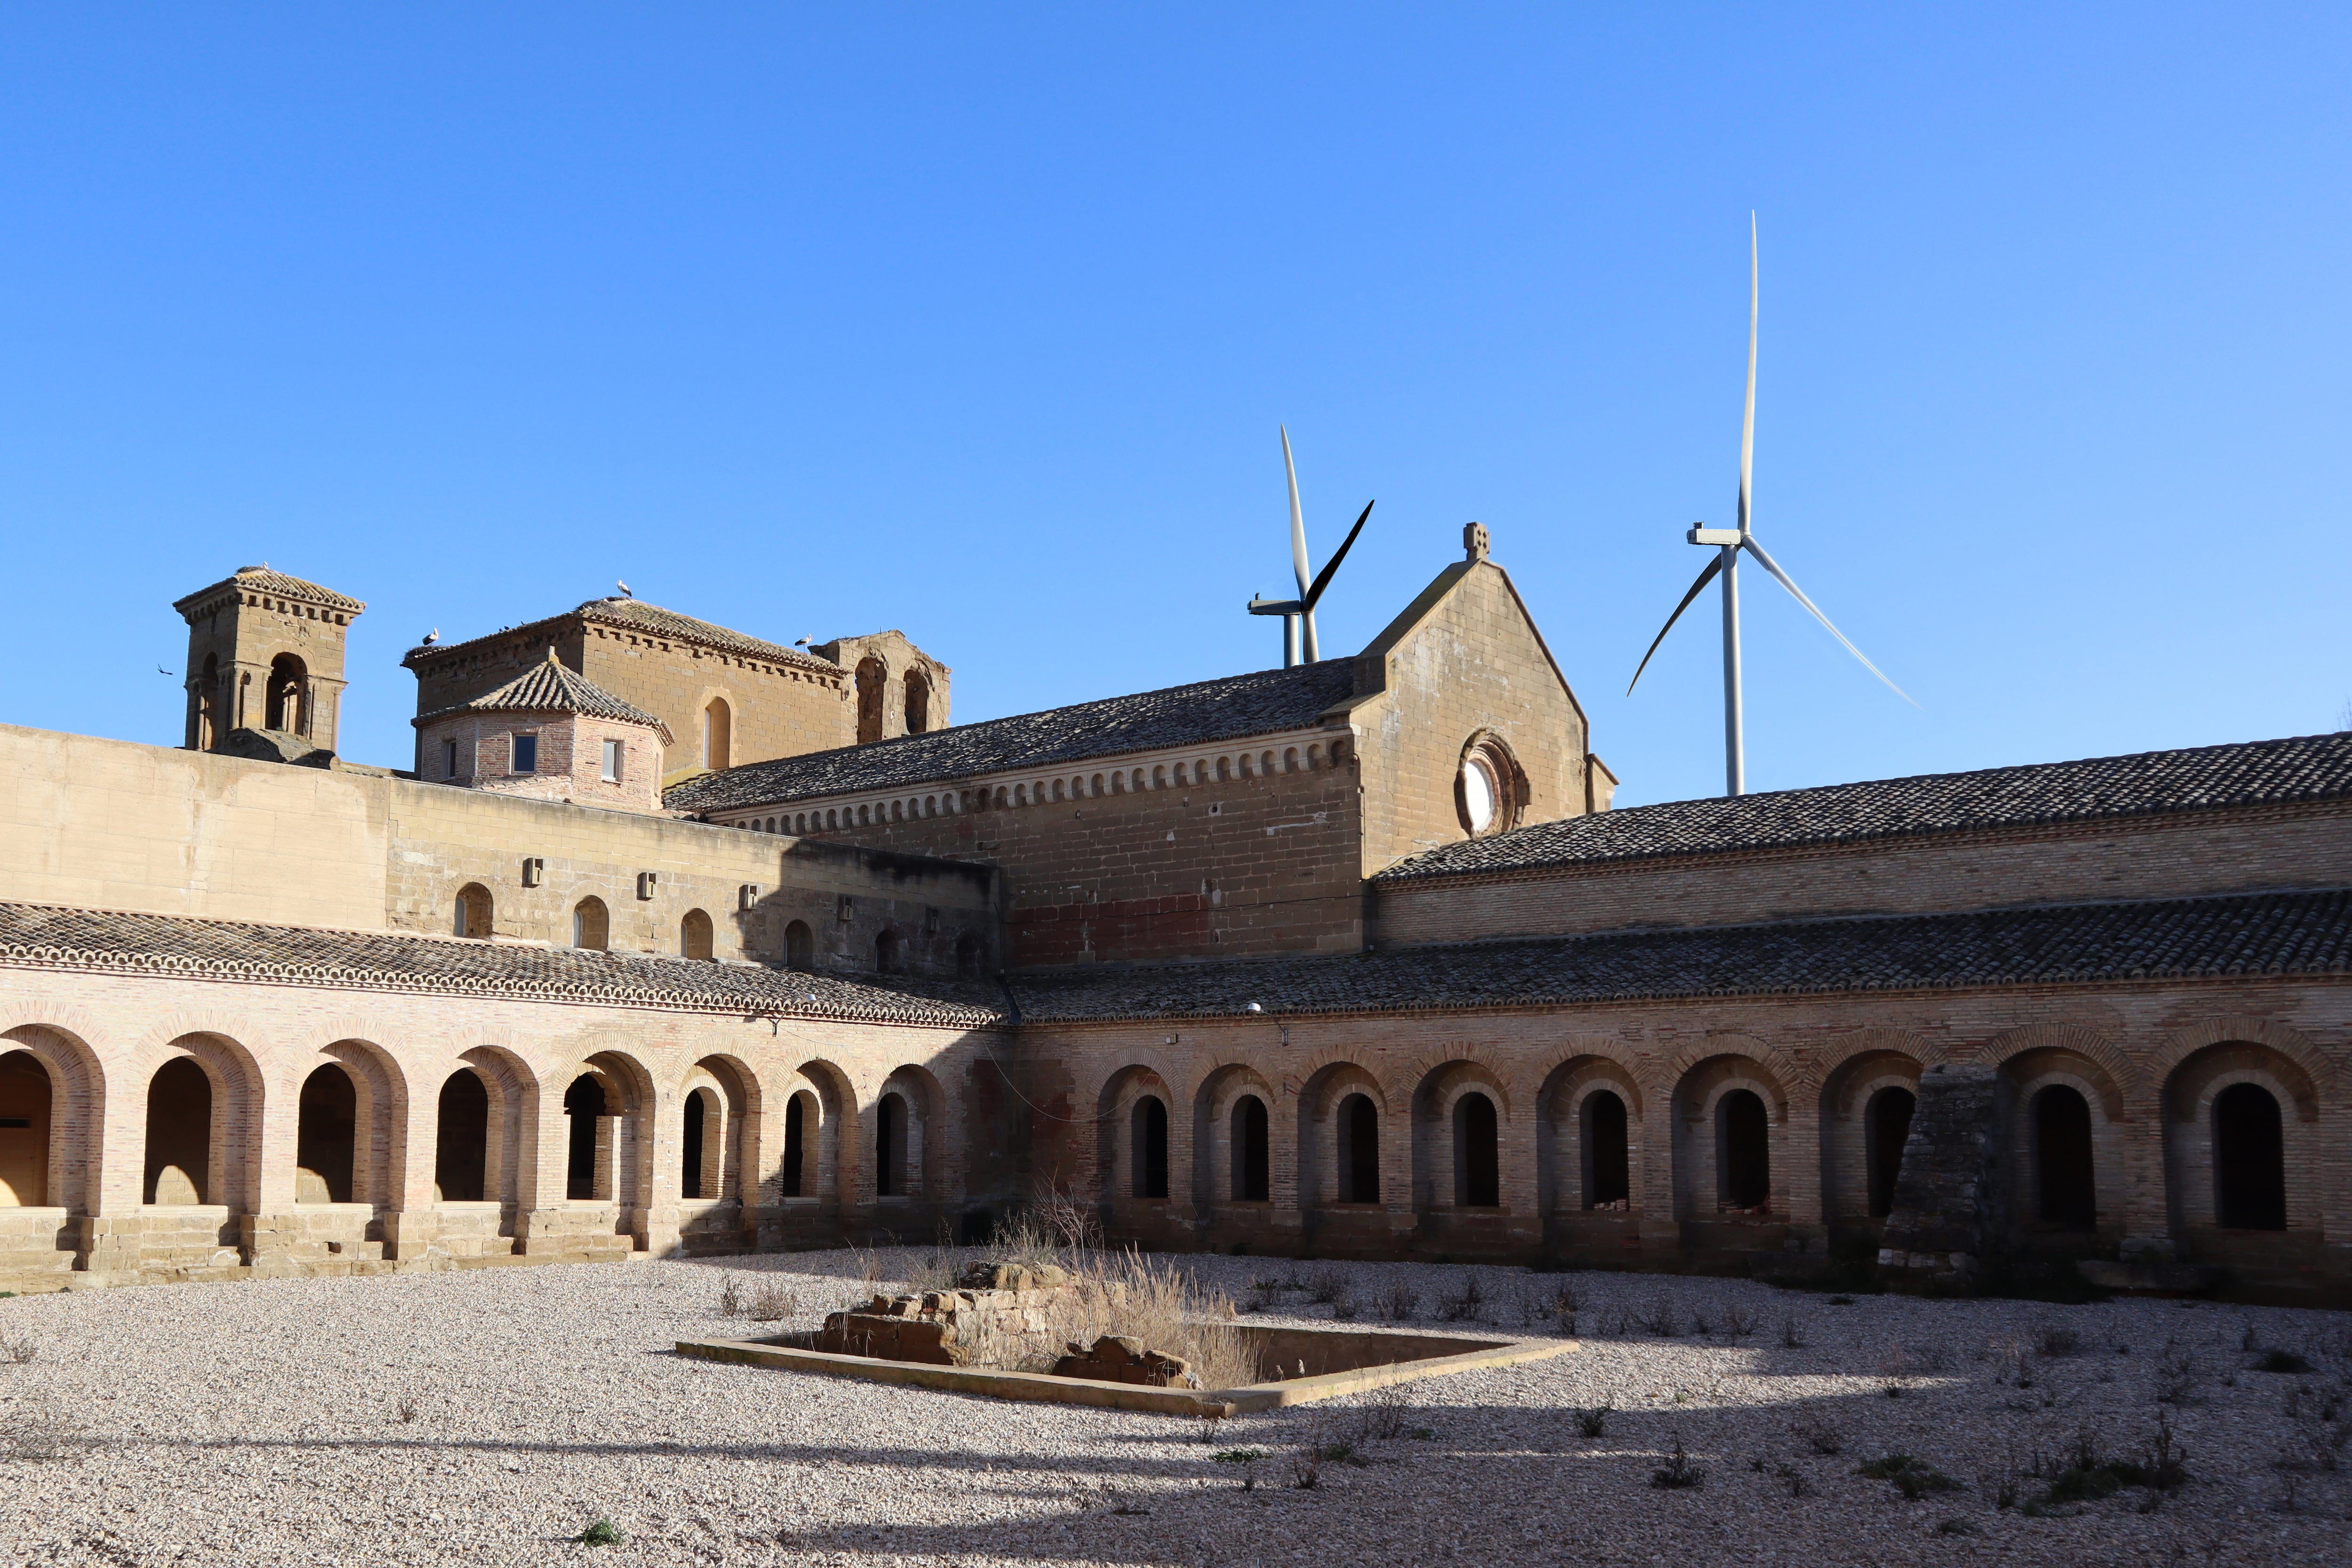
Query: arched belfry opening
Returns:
{"type": "Point", "coordinates": [25, 1105]}
{"type": "Point", "coordinates": [919, 703]}
{"type": "Point", "coordinates": [289, 695]}
{"type": "Point", "coordinates": [873, 686]}
{"type": "Point", "coordinates": [208, 730]}
{"type": "Point", "coordinates": [179, 1154]}
{"type": "Point", "coordinates": [461, 1139]}
{"type": "Point", "coordinates": [323, 1141]}
{"type": "Point", "coordinates": [2249, 1159]}
{"type": "Point", "coordinates": [2065, 1193]}
{"type": "Point", "coordinates": [1886, 1126]}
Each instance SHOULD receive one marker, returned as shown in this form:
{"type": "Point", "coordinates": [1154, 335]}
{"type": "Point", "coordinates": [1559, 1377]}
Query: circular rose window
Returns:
{"type": "Point", "coordinates": [1478, 793]}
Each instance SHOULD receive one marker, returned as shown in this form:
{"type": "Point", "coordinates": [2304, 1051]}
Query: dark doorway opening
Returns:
{"type": "Point", "coordinates": [1886, 1126]}
{"type": "Point", "coordinates": [461, 1138]}
{"type": "Point", "coordinates": [1252, 1166]}
{"type": "Point", "coordinates": [1359, 1144]}
{"type": "Point", "coordinates": [323, 1137]}
{"type": "Point", "coordinates": [2250, 1159]}
{"type": "Point", "coordinates": [1477, 1158]}
{"type": "Point", "coordinates": [1608, 1170]}
{"type": "Point", "coordinates": [584, 1103]}
{"type": "Point", "coordinates": [1148, 1129]}
{"type": "Point", "coordinates": [1744, 1144]}
{"type": "Point", "coordinates": [2067, 1193]}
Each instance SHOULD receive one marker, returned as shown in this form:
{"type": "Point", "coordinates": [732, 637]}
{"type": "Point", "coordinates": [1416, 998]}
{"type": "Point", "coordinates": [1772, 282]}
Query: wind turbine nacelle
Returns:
{"type": "Point", "coordinates": [1704, 536]}
{"type": "Point", "coordinates": [1276, 607]}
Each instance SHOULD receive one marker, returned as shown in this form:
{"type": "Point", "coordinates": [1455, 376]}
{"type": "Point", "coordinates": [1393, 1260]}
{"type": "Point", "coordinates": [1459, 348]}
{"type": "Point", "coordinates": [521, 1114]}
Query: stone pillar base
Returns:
{"type": "Point", "coordinates": [589, 1233]}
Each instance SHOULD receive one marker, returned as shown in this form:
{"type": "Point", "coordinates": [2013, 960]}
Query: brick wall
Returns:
{"type": "Point", "coordinates": [2216, 851]}
{"type": "Point", "coordinates": [570, 764]}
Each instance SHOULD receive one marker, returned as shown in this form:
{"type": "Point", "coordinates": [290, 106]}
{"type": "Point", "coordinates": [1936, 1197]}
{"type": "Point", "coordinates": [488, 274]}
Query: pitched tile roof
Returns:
{"type": "Point", "coordinates": [549, 687]}
{"type": "Point", "coordinates": [649, 619]}
{"type": "Point", "coordinates": [261, 580]}
{"type": "Point", "coordinates": [1205, 712]}
{"type": "Point", "coordinates": [2262, 934]}
{"type": "Point", "coordinates": [2252, 773]}
{"type": "Point", "coordinates": [639, 616]}
{"type": "Point", "coordinates": [44, 936]}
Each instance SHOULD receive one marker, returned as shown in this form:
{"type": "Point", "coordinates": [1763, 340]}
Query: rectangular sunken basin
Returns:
{"type": "Point", "coordinates": [1321, 1362]}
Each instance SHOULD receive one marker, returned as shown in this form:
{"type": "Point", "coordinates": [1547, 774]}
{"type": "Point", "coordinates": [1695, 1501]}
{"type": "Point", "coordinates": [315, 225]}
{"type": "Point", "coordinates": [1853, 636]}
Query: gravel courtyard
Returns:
{"type": "Point", "coordinates": [491, 1417]}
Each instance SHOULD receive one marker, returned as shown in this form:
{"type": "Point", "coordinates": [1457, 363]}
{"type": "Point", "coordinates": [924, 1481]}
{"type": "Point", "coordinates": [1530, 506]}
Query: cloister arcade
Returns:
{"type": "Point", "coordinates": [189, 1154]}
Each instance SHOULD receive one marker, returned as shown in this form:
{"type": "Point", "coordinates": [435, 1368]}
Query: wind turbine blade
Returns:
{"type": "Point", "coordinates": [1297, 522]}
{"type": "Point", "coordinates": [1714, 565]}
{"type": "Point", "coordinates": [1748, 415]}
{"type": "Point", "coordinates": [1324, 577]}
{"type": "Point", "coordinates": [1783, 577]}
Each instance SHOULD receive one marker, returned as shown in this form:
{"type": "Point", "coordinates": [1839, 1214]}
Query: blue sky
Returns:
{"type": "Point", "coordinates": [979, 324]}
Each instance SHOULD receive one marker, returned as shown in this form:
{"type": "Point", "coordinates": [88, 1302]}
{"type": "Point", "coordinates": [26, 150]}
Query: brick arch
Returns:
{"type": "Point", "coordinates": [240, 1099]}
{"type": "Point", "coordinates": [832, 1147]}
{"type": "Point", "coordinates": [1580, 1049]}
{"type": "Point", "coordinates": [2083, 1042]}
{"type": "Point", "coordinates": [379, 1169]}
{"type": "Point", "coordinates": [1824, 1064]}
{"type": "Point", "coordinates": [514, 1094]}
{"type": "Point", "coordinates": [1151, 1059]}
{"type": "Point", "coordinates": [1781, 1069]}
{"type": "Point", "coordinates": [939, 1147]}
{"type": "Point", "coordinates": [2298, 1049]}
{"type": "Point", "coordinates": [1130, 1082]}
{"type": "Point", "coordinates": [1499, 1077]}
{"type": "Point", "coordinates": [1338, 1067]}
{"type": "Point", "coordinates": [77, 1097]}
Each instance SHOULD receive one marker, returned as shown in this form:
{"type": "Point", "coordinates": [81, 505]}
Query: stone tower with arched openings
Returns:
{"type": "Point", "coordinates": [265, 653]}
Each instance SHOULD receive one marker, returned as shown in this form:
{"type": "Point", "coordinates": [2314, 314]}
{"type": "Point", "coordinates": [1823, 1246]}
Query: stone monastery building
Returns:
{"type": "Point", "coordinates": [673, 937]}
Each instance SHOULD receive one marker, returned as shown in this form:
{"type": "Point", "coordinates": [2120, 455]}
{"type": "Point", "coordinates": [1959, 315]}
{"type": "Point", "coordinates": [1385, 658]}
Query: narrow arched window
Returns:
{"type": "Point", "coordinates": [694, 935]}
{"type": "Point", "coordinates": [1477, 1154]}
{"type": "Point", "coordinates": [2249, 1159]}
{"type": "Point", "coordinates": [326, 1120]}
{"type": "Point", "coordinates": [1253, 1163]}
{"type": "Point", "coordinates": [689, 1183]}
{"type": "Point", "coordinates": [919, 703]}
{"type": "Point", "coordinates": [718, 733]}
{"type": "Point", "coordinates": [887, 961]}
{"type": "Point", "coordinates": [1885, 1126]}
{"type": "Point", "coordinates": [589, 1150]}
{"type": "Point", "coordinates": [473, 911]}
{"type": "Point", "coordinates": [461, 1138]}
{"type": "Point", "coordinates": [971, 955]}
{"type": "Point", "coordinates": [800, 946]}
{"type": "Point", "coordinates": [1148, 1132]}
{"type": "Point", "coordinates": [872, 678]}
{"type": "Point", "coordinates": [591, 928]}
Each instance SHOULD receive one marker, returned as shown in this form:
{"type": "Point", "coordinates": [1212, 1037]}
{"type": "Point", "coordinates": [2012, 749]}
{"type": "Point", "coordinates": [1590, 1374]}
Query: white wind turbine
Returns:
{"type": "Point", "coordinates": [1727, 543]}
{"type": "Point", "coordinates": [1298, 614]}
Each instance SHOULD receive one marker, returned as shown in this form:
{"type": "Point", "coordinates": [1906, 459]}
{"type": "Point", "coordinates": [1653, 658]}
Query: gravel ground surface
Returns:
{"type": "Point", "coordinates": [491, 1416]}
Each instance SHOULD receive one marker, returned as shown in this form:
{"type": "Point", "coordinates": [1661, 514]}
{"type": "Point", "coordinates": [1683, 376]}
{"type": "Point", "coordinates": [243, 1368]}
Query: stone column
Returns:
{"type": "Point", "coordinates": [1950, 1200]}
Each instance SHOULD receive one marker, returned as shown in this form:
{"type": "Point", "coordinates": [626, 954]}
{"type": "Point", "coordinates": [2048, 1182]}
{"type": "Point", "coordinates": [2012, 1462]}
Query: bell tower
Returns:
{"type": "Point", "coordinates": [265, 651]}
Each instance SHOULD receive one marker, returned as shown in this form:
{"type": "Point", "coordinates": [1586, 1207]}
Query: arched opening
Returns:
{"type": "Point", "coordinates": [1608, 1162]}
{"type": "Point", "coordinates": [289, 695]}
{"type": "Point", "coordinates": [24, 1100]}
{"type": "Point", "coordinates": [1477, 1157]}
{"type": "Point", "coordinates": [1148, 1136]}
{"type": "Point", "coordinates": [1886, 1126]}
{"type": "Point", "coordinates": [919, 703]}
{"type": "Point", "coordinates": [583, 1103]}
{"type": "Point", "coordinates": [2249, 1159]}
{"type": "Point", "coordinates": [694, 935]}
{"type": "Point", "coordinates": [795, 1144]}
{"type": "Point", "coordinates": [209, 705]}
{"type": "Point", "coordinates": [718, 733]}
{"type": "Point", "coordinates": [871, 680]}
{"type": "Point", "coordinates": [970, 952]}
{"type": "Point", "coordinates": [701, 1114]}
{"type": "Point", "coordinates": [800, 946]}
{"type": "Point", "coordinates": [461, 1138]}
{"type": "Point", "coordinates": [473, 914]}
{"type": "Point", "coordinates": [1360, 1150]}
{"type": "Point", "coordinates": [323, 1136]}
{"type": "Point", "coordinates": [2064, 1194]}
{"type": "Point", "coordinates": [1743, 1144]}
{"type": "Point", "coordinates": [1253, 1161]}
{"type": "Point", "coordinates": [886, 953]}
{"type": "Point", "coordinates": [179, 1133]}
{"type": "Point", "coordinates": [890, 1147]}
{"type": "Point", "coordinates": [591, 926]}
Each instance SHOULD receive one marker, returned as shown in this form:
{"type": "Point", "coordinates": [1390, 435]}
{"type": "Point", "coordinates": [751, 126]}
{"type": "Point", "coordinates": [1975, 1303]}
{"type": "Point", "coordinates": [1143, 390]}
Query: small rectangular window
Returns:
{"type": "Point", "coordinates": [526, 754]}
{"type": "Point", "coordinates": [612, 762]}
{"type": "Point", "coordinates": [448, 760]}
